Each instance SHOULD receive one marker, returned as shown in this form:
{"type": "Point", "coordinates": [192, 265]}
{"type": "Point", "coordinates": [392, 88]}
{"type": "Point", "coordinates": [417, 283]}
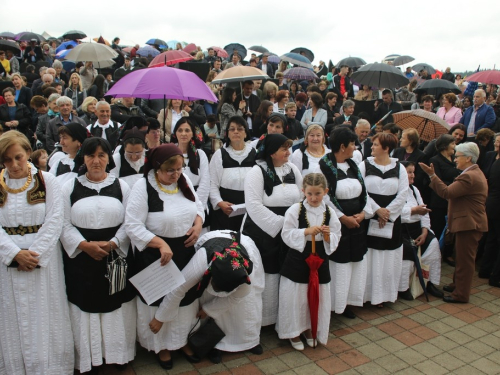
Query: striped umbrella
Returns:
{"type": "Point", "coordinates": [428, 125]}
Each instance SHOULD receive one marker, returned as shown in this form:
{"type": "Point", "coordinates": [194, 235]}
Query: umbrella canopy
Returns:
{"type": "Point", "coordinates": [424, 66]}
{"type": "Point", "coordinates": [259, 49]}
{"type": "Point", "coordinates": [351, 62]}
{"type": "Point", "coordinates": [437, 87]}
{"type": "Point", "coordinates": [102, 41]}
{"type": "Point", "coordinates": [159, 42]}
{"type": "Point", "coordinates": [401, 60]}
{"type": "Point", "coordinates": [170, 58]}
{"type": "Point", "coordinates": [95, 52]}
{"type": "Point", "coordinates": [274, 59]}
{"type": "Point", "coordinates": [147, 51]}
{"type": "Point", "coordinates": [190, 48]}
{"type": "Point", "coordinates": [296, 59]}
{"type": "Point", "coordinates": [172, 43]}
{"type": "Point", "coordinates": [62, 54]}
{"type": "Point", "coordinates": [127, 49]}
{"type": "Point", "coordinates": [242, 51]}
{"type": "Point", "coordinates": [220, 52]}
{"type": "Point", "coordinates": [74, 34]}
{"type": "Point", "coordinates": [380, 75]}
{"type": "Point", "coordinates": [428, 125]}
{"type": "Point", "coordinates": [299, 73]}
{"type": "Point", "coordinates": [486, 76]}
{"type": "Point", "coordinates": [304, 52]}
{"type": "Point", "coordinates": [330, 66]}
{"type": "Point", "coordinates": [9, 45]}
{"type": "Point", "coordinates": [162, 83]}
{"type": "Point", "coordinates": [27, 36]}
{"type": "Point", "coordinates": [314, 262]}
{"type": "Point", "coordinates": [64, 46]}
{"type": "Point", "coordinates": [239, 74]}
{"type": "Point", "coordinates": [7, 35]}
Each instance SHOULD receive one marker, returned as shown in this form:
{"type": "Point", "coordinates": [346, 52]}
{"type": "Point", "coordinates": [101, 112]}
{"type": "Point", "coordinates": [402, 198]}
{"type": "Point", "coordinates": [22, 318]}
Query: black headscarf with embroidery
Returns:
{"type": "Point", "coordinates": [268, 146]}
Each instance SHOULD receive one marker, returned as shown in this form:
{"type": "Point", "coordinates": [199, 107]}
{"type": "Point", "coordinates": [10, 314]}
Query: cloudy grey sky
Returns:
{"type": "Point", "coordinates": [460, 34]}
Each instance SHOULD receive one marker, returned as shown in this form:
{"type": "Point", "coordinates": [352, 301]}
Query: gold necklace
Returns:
{"type": "Point", "coordinates": [316, 155]}
{"type": "Point", "coordinates": [22, 188]}
{"type": "Point", "coordinates": [175, 191]}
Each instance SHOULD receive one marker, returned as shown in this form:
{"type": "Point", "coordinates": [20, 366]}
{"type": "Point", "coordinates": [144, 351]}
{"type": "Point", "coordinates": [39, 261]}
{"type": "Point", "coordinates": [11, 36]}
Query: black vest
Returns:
{"type": "Point", "coordinates": [86, 284]}
{"type": "Point", "coordinates": [125, 167]}
{"type": "Point", "coordinates": [295, 266]}
{"type": "Point", "coordinates": [396, 241]}
{"type": "Point", "coordinates": [62, 169]}
{"type": "Point", "coordinates": [112, 133]}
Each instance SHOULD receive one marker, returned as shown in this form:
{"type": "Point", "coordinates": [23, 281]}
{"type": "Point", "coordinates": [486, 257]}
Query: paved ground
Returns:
{"type": "Point", "coordinates": [407, 337]}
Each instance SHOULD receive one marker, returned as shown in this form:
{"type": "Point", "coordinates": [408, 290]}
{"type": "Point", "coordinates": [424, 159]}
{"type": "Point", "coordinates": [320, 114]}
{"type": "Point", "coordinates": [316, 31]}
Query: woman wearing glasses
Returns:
{"type": "Point", "coordinates": [129, 160]}
{"type": "Point", "coordinates": [163, 220]}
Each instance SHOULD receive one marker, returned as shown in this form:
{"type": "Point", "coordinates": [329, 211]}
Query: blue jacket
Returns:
{"type": "Point", "coordinates": [485, 117]}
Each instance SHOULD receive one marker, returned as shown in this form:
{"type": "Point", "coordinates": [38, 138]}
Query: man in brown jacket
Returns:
{"type": "Point", "coordinates": [466, 216]}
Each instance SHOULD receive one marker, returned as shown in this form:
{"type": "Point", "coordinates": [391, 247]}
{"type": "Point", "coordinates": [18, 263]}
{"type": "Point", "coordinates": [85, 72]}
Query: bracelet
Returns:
{"type": "Point", "coordinates": [110, 246]}
{"type": "Point", "coordinates": [433, 175]}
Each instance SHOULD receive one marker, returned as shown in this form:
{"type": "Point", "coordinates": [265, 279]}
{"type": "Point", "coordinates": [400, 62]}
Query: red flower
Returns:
{"type": "Point", "coordinates": [206, 272]}
{"type": "Point", "coordinates": [219, 255]}
{"type": "Point", "coordinates": [233, 253]}
{"type": "Point", "coordinates": [235, 264]}
{"type": "Point", "coordinates": [245, 263]}
{"type": "Point", "coordinates": [234, 244]}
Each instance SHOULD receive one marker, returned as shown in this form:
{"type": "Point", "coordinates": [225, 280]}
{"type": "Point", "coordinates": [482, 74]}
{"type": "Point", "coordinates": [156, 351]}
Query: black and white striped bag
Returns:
{"type": "Point", "coordinates": [117, 272]}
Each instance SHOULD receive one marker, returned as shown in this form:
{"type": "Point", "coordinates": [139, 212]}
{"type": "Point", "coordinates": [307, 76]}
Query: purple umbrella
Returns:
{"type": "Point", "coordinates": [299, 73]}
{"type": "Point", "coordinates": [274, 59]}
{"type": "Point", "coordinates": [162, 83]}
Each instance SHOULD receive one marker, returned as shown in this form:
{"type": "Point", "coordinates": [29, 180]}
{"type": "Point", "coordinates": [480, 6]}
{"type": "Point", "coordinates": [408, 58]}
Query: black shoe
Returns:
{"type": "Point", "coordinates": [215, 356]}
{"type": "Point", "coordinates": [494, 282]}
{"type": "Point", "coordinates": [449, 262]}
{"type": "Point", "coordinates": [191, 358]}
{"type": "Point", "coordinates": [484, 274]}
{"type": "Point", "coordinates": [448, 288]}
{"type": "Point", "coordinates": [433, 291]}
{"type": "Point", "coordinates": [257, 350]}
{"type": "Point", "coordinates": [450, 299]}
{"type": "Point", "coordinates": [121, 367]}
{"type": "Point", "coordinates": [406, 295]}
{"type": "Point", "coordinates": [349, 314]}
{"type": "Point", "coordinates": [167, 365]}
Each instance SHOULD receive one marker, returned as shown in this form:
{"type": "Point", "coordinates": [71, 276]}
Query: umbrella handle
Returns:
{"type": "Point", "coordinates": [313, 247]}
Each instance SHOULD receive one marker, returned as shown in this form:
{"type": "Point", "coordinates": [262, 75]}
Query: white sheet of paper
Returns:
{"type": "Point", "coordinates": [238, 209]}
{"type": "Point", "coordinates": [155, 281]}
{"type": "Point", "coordinates": [376, 231]}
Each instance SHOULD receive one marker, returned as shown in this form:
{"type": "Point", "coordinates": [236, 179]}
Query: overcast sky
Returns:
{"type": "Point", "coordinates": [460, 34]}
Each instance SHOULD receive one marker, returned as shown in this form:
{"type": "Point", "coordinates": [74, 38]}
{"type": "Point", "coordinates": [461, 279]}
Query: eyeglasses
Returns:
{"type": "Point", "coordinates": [172, 171]}
{"type": "Point", "coordinates": [240, 129]}
{"type": "Point", "coordinates": [458, 156]}
{"type": "Point", "coordinates": [140, 153]}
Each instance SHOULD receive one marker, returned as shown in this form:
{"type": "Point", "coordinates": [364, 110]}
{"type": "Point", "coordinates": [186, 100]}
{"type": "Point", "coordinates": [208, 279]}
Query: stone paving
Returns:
{"type": "Point", "coordinates": [406, 337]}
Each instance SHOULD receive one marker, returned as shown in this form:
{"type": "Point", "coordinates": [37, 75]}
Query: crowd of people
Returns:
{"type": "Point", "coordinates": [238, 194]}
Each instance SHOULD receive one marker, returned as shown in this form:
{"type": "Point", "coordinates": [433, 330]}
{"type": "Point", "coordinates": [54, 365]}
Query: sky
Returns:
{"type": "Point", "coordinates": [459, 34]}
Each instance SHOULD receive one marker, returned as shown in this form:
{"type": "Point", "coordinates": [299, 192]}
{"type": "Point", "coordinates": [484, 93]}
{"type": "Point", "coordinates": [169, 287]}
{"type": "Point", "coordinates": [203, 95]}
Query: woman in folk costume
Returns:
{"type": "Point", "coordinates": [228, 169]}
{"type": "Point", "coordinates": [103, 322]}
{"type": "Point", "coordinates": [312, 217]}
{"type": "Point", "coordinates": [386, 182]}
{"type": "Point", "coordinates": [34, 319]}
{"type": "Point", "coordinates": [307, 157]}
{"type": "Point", "coordinates": [71, 137]}
{"type": "Point", "coordinates": [164, 220]}
{"type": "Point", "coordinates": [129, 160]}
{"type": "Point", "coordinates": [271, 187]}
{"type": "Point", "coordinates": [417, 227]}
{"type": "Point", "coordinates": [348, 198]}
{"type": "Point", "coordinates": [228, 274]}
{"type": "Point", "coordinates": [188, 137]}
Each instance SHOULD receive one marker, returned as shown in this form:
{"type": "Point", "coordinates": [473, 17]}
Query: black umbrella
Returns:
{"type": "Point", "coordinates": [437, 87]}
{"type": "Point", "coordinates": [380, 75]}
{"type": "Point", "coordinates": [401, 60]}
{"type": "Point", "coordinates": [259, 49]}
{"type": "Point", "coordinates": [9, 45]}
{"type": "Point", "coordinates": [158, 42]}
{"type": "Point", "coordinates": [28, 36]}
{"type": "Point", "coordinates": [305, 52]}
{"type": "Point", "coordinates": [418, 266]}
{"type": "Point", "coordinates": [74, 34]}
{"type": "Point", "coordinates": [424, 66]}
{"type": "Point", "coordinates": [330, 66]}
{"type": "Point", "coordinates": [7, 35]}
{"type": "Point", "coordinates": [351, 62]}
{"type": "Point", "coordinates": [242, 51]}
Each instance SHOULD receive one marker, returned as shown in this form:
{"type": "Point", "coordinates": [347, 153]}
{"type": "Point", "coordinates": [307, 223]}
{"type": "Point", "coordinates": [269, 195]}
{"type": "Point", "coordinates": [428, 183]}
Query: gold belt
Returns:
{"type": "Point", "coordinates": [22, 230]}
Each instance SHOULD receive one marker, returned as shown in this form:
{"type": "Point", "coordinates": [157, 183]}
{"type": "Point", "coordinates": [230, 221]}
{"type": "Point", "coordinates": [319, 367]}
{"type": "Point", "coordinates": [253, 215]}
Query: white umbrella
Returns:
{"type": "Point", "coordinates": [95, 52]}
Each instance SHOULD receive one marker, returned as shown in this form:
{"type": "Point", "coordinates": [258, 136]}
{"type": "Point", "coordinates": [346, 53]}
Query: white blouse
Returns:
{"type": "Point", "coordinates": [202, 179]}
{"type": "Point", "coordinates": [407, 217]}
{"type": "Point", "coordinates": [283, 195]}
{"type": "Point", "coordinates": [313, 161]}
{"type": "Point", "coordinates": [177, 217]}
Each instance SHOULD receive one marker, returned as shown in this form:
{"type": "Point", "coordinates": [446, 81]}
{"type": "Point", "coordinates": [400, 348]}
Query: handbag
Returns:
{"type": "Point", "coordinates": [204, 339]}
{"type": "Point", "coordinates": [415, 286]}
{"type": "Point", "coordinates": [116, 272]}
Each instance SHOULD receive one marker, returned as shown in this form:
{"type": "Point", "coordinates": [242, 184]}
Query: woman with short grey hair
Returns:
{"type": "Point", "coordinates": [466, 216]}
